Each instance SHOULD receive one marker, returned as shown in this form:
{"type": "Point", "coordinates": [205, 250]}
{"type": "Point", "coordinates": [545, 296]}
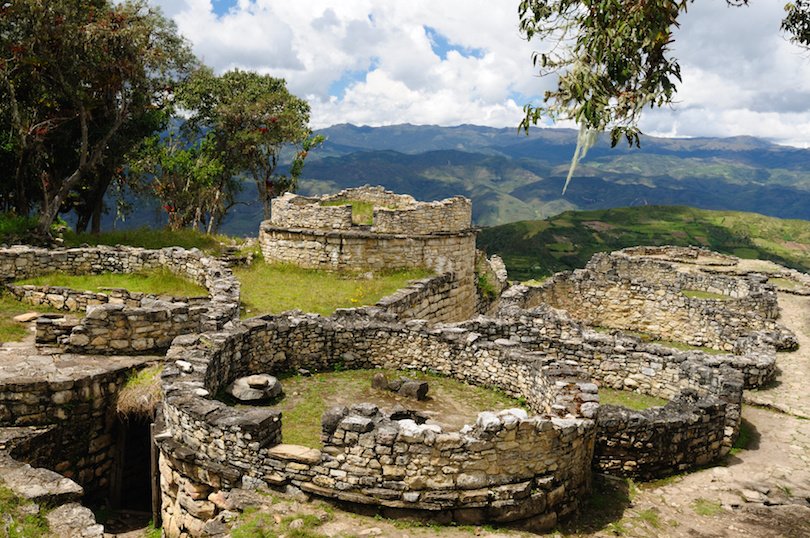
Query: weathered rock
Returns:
{"type": "Point", "coordinates": [332, 417]}
{"type": "Point", "coordinates": [414, 389]}
{"type": "Point", "coordinates": [255, 388]}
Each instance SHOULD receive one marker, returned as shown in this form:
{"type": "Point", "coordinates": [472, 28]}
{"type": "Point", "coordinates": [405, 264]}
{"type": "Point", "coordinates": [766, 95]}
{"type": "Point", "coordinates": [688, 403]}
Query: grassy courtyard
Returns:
{"type": "Point", "coordinates": [157, 282]}
{"type": "Point", "coordinates": [450, 402]}
{"type": "Point", "coordinates": [274, 288]}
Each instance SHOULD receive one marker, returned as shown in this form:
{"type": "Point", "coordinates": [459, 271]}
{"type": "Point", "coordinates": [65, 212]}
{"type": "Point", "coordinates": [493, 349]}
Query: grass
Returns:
{"type": "Point", "coordinates": [141, 393]}
{"type": "Point", "coordinates": [704, 507]}
{"type": "Point", "coordinates": [630, 400]}
{"type": "Point", "coordinates": [362, 212]}
{"type": "Point", "coordinates": [153, 238]}
{"type": "Point", "coordinates": [151, 531]}
{"type": "Point", "coordinates": [14, 229]}
{"type": "Point", "coordinates": [274, 288]}
{"type": "Point", "coordinates": [306, 398]}
{"type": "Point", "coordinates": [744, 439]}
{"type": "Point", "coordinates": [784, 283]}
{"type": "Point", "coordinates": [688, 347]}
{"type": "Point", "coordinates": [20, 518]}
{"type": "Point", "coordinates": [10, 330]}
{"type": "Point", "coordinates": [699, 294]}
{"type": "Point", "coordinates": [255, 524]}
{"type": "Point", "coordinates": [157, 282]}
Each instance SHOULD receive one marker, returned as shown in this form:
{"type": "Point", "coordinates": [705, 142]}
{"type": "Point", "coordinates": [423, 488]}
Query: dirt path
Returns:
{"type": "Point", "coordinates": [790, 393]}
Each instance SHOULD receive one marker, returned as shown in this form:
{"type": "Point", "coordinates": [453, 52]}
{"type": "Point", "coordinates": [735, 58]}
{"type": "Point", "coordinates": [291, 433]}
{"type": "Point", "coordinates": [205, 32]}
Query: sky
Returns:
{"type": "Point", "coordinates": [451, 62]}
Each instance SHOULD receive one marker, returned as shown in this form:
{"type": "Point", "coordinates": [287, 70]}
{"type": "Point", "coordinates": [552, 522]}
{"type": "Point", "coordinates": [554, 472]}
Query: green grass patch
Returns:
{"type": "Point", "coordinates": [255, 524]}
{"type": "Point", "coordinates": [274, 288]}
{"type": "Point", "coordinates": [151, 531]}
{"type": "Point", "coordinates": [157, 282]}
{"type": "Point", "coordinates": [744, 438]}
{"type": "Point", "coordinates": [699, 294]}
{"type": "Point", "coordinates": [362, 212]}
{"type": "Point", "coordinates": [785, 283]}
{"type": "Point", "coordinates": [306, 399]}
{"type": "Point", "coordinates": [705, 507]}
{"type": "Point", "coordinates": [688, 347]}
{"type": "Point", "coordinates": [10, 330]}
{"type": "Point", "coordinates": [20, 518]}
{"type": "Point", "coordinates": [154, 238]}
{"type": "Point", "coordinates": [630, 400]}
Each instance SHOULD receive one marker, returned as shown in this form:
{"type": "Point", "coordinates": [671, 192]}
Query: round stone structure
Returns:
{"type": "Point", "coordinates": [403, 233]}
{"type": "Point", "coordinates": [507, 466]}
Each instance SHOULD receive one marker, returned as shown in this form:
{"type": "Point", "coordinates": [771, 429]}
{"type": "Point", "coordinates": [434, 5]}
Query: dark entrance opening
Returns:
{"type": "Point", "coordinates": [135, 470]}
{"type": "Point", "coordinates": [131, 486]}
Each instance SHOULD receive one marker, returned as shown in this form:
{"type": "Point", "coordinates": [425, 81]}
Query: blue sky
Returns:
{"type": "Point", "coordinates": [448, 62]}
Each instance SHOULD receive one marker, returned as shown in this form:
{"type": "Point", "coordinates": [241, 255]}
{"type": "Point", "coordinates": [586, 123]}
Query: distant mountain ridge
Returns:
{"type": "Point", "coordinates": [510, 176]}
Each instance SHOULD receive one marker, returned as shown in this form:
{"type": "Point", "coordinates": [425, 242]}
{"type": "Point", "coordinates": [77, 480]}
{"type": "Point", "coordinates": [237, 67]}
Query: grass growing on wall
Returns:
{"type": "Point", "coordinates": [698, 294]}
{"type": "Point", "coordinates": [273, 288]}
{"type": "Point", "coordinates": [362, 212]}
{"type": "Point", "coordinates": [158, 282]}
{"type": "Point", "coordinates": [141, 393]}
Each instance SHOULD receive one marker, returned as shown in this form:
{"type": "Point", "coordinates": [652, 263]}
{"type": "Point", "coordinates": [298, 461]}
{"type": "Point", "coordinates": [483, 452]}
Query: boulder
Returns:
{"type": "Point", "coordinates": [255, 387]}
{"type": "Point", "coordinates": [414, 389]}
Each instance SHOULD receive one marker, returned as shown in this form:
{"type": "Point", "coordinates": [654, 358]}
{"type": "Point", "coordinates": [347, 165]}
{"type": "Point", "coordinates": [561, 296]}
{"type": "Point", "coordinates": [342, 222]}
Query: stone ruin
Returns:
{"type": "Point", "coordinates": [403, 233]}
{"type": "Point", "coordinates": [552, 346]}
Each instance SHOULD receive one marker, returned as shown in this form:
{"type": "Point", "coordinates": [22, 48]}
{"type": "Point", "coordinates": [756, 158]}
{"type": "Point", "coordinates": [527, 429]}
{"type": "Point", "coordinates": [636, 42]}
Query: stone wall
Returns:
{"type": "Point", "coordinates": [626, 363]}
{"type": "Point", "coordinates": [148, 328]}
{"type": "Point", "coordinates": [368, 458]}
{"type": "Point", "coordinates": [660, 441]}
{"type": "Point", "coordinates": [79, 413]}
{"type": "Point", "coordinates": [68, 299]}
{"type": "Point", "coordinates": [433, 299]}
{"type": "Point", "coordinates": [647, 296]}
{"type": "Point", "coordinates": [396, 214]}
{"type": "Point", "coordinates": [508, 466]}
{"type": "Point", "coordinates": [121, 321]}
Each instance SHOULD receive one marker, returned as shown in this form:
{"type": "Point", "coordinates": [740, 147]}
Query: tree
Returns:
{"type": "Point", "coordinates": [76, 76]}
{"type": "Point", "coordinates": [186, 177]}
{"type": "Point", "coordinates": [613, 59]}
{"type": "Point", "coordinates": [251, 118]}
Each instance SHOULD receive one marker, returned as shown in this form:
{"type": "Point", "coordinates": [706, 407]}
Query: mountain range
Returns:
{"type": "Point", "coordinates": [511, 176]}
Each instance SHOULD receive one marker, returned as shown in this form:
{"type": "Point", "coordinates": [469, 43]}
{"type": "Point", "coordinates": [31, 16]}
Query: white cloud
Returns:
{"type": "Point", "coordinates": [740, 75]}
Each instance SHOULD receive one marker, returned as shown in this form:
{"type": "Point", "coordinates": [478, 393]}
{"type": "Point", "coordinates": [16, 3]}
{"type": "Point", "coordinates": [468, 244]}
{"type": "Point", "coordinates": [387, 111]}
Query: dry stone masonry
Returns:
{"type": "Point", "coordinates": [552, 346]}
{"type": "Point", "coordinates": [403, 233]}
{"type": "Point", "coordinates": [121, 321]}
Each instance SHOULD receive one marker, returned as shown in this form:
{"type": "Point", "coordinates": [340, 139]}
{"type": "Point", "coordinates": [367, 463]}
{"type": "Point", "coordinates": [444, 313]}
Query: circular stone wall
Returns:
{"type": "Point", "coordinates": [507, 466]}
